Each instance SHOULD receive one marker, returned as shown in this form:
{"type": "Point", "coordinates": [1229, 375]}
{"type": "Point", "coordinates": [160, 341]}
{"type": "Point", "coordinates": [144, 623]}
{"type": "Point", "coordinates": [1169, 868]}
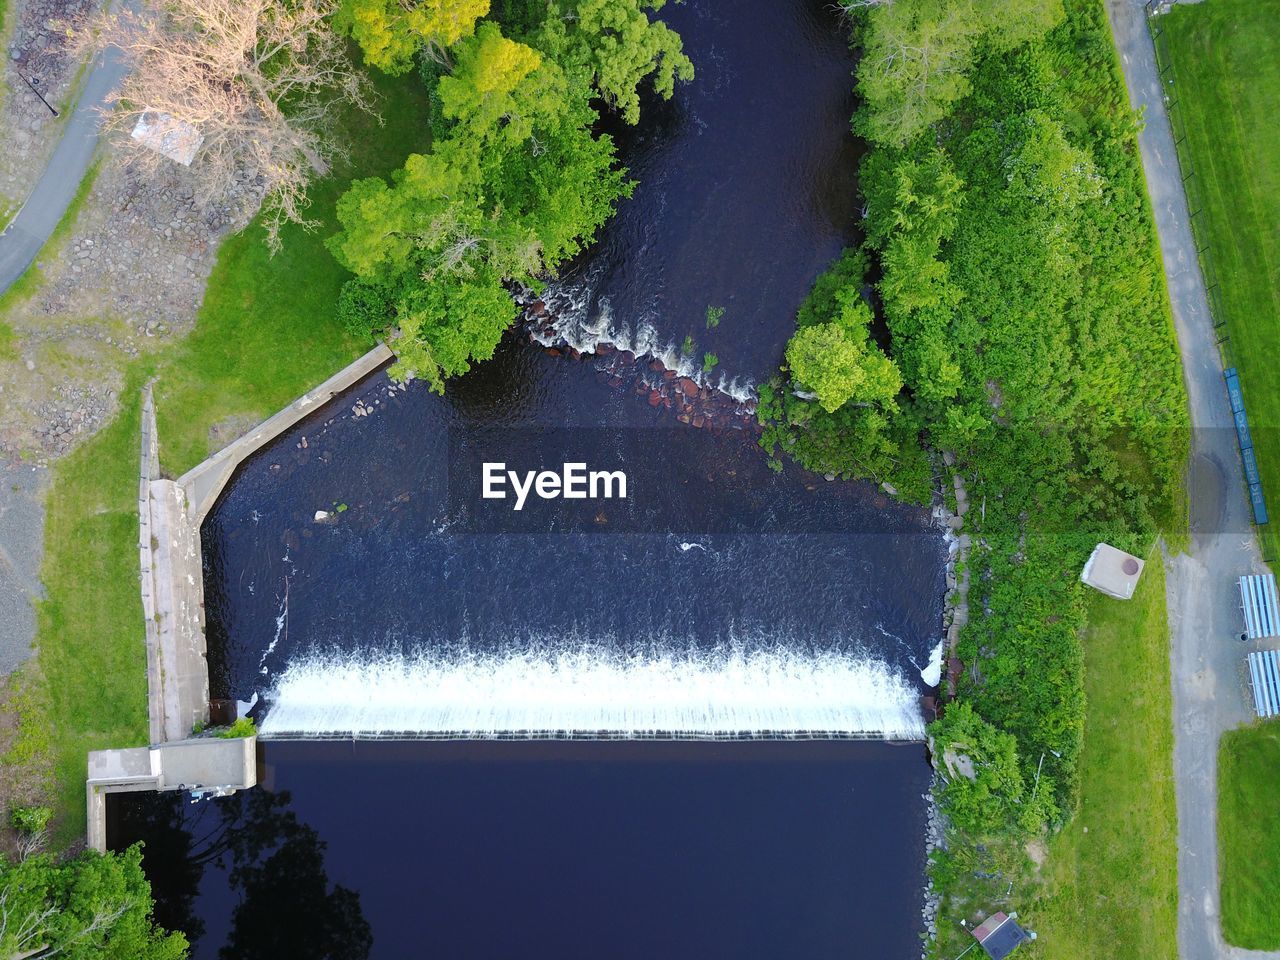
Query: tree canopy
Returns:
{"type": "Point", "coordinates": [392, 32]}
{"type": "Point", "coordinates": [836, 360]}
{"type": "Point", "coordinates": [618, 47]}
{"type": "Point", "coordinates": [518, 184]}
{"type": "Point", "coordinates": [917, 55]}
{"type": "Point", "coordinates": [613, 44]}
{"type": "Point", "coordinates": [1026, 317]}
{"type": "Point", "coordinates": [95, 907]}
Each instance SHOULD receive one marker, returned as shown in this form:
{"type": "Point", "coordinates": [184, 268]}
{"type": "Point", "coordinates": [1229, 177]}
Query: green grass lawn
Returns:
{"type": "Point", "coordinates": [1111, 884]}
{"type": "Point", "coordinates": [265, 333]}
{"type": "Point", "coordinates": [1224, 58]}
{"type": "Point", "coordinates": [1249, 835]}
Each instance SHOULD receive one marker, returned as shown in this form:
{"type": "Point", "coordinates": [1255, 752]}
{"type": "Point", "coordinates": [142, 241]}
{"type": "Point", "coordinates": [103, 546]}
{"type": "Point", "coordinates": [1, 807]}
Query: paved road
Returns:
{"type": "Point", "coordinates": [29, 230]}
{"type": "Point", "coordinates": [1209, 692]}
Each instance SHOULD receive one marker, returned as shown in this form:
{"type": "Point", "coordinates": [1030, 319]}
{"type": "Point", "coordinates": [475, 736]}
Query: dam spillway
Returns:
{"type": "Point", "coordinates": [593, 693]}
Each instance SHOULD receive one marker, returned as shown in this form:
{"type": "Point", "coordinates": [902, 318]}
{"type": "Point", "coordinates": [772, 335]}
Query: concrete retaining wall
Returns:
{"type": "Point", "coordinates": [170, 513]}
{"type": "Point", "coordinates": [204, 483]}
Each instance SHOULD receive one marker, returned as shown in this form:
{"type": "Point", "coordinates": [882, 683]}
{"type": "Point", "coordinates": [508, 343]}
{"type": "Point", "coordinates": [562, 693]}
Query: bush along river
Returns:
{"type": "Point", "coordinates": [504, 719]}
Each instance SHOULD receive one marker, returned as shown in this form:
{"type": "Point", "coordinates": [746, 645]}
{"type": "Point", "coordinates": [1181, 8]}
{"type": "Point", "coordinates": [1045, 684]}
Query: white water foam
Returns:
{"type": "Point", "coordinates": [932, 672]}
{"type": "Point", "coordinates": [574, 325]}
{"type": "Point", "coordinates": [589, 692]}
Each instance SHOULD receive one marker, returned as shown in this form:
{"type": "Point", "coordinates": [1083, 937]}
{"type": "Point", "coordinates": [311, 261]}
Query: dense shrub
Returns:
{"type": "Point", "coordinates": [1025, 310]}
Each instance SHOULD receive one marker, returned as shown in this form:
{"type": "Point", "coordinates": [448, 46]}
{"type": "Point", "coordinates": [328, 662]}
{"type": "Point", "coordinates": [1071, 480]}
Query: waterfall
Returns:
{"type": "Point", "coordinates": [590, 692]}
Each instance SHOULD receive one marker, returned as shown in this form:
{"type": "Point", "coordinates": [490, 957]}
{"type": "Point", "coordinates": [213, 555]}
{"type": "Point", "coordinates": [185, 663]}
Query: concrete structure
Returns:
{"type": "Point", "coordinates": [204, 483]}
{"type": "Point", "coordinates": [170, 513]}
{"type": "Point", "coordinates": [172, 597]}
{"type": "Point", "coordinates": [999, 935]}
{"type": "Point", "coordinates": [1112, 571]}
{"type": "Point", "coordinates": [209, 765]}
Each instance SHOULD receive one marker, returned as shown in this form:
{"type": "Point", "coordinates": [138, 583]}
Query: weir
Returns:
{"type": "Point", "coordinates": [593, 693]}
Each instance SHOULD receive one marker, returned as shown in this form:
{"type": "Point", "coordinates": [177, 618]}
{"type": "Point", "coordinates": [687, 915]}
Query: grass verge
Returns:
{"type": "Point", "coordinates": [1112, 877]}
{"type": "Point", "coordinates": [265, 333]}
{"type": "Point", "coordinates": [1224, 62]}
{"type": "Point", "coordinates": [1249, 836]}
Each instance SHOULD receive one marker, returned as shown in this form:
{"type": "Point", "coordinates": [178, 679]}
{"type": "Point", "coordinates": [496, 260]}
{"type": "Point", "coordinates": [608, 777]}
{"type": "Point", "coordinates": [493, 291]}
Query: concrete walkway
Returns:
{"type": "Point", "coordinates": [31, 228]}
{"type": "Point", "coordinates": [21, 547]}
{"type": "Point", "coordinates": [1209, 693]}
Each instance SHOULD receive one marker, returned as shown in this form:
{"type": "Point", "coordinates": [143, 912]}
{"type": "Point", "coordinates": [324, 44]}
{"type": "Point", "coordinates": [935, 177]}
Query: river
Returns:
{"type": "Point", "coordinates": [359, 588]}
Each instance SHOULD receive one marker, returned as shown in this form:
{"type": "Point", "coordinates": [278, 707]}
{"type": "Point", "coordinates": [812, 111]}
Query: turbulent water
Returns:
{"type": "Point", "coordinates": [593, 692]}
{"type": "Point", "coordinates": [720, 599]}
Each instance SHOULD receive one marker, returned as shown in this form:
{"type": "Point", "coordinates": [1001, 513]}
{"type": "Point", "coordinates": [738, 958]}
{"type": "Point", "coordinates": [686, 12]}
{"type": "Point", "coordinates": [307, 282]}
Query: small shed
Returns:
{"type": "Point", "coordinates": [999, 935]}
{"type": "Point", "coordinates": [1112, 571]}
{"type": "Point", "coordinates": [168, 136]}
{"type": "Point", "coordinates": [1264, 679]}
{"type": "Point", "coordinates": [1261, 608]}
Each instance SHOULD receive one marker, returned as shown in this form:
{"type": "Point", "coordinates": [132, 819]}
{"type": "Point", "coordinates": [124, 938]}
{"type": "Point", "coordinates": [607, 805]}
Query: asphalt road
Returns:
{"type": "Point", "coordinates": [1210, 694]}
{"type": "Point", "coordinates": [28, 231]}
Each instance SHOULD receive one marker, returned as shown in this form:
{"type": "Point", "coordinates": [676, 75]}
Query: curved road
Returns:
{"type": "Point", "coordinates": [35, 222]}
{"type": "Point", "coordinates": [1209, 692]}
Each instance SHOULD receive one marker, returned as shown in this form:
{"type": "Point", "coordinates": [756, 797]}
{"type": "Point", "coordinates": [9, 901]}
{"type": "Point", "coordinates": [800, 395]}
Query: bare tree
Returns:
{"type": "Point", "coordinates": [31, 842]}
{"type": "Point", "coordinates": [254, 84]}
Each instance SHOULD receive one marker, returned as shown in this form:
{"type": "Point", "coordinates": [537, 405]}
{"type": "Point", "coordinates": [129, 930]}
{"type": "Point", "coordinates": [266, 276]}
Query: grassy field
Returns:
{"type": "Point", "coordinates": [1224, 58]}
{"type": "Point", "coordinates": [1249, 835]}
{"type": "Point", "coordinates": [265, 333]}
{"type": "Point", "coordinates": [1111, 885]}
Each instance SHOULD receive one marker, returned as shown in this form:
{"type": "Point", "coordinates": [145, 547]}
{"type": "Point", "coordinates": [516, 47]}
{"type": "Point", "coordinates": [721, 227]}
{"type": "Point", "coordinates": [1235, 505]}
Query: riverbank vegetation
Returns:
{"type": "Point", "coordinates": [1223, 70]}
{"type": "Point", "coordinates": [1249, 835]}
{"type": "Point", "coordinates": [1021, 301]}
{"type": "Point", "coordinates": [91, 906]}
{"type": "Point", "coordinates": [517, 181]}
{"type": "Point", "coordinates": [266, 332]}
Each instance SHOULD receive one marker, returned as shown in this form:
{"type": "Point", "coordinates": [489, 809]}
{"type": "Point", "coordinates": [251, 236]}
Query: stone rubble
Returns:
{"type": "Point", "coordinates": [697, 405]}
{"type": "Point", "coordinates": [35, 51]}
{"type": "Point", "coordinates": [130, 275]}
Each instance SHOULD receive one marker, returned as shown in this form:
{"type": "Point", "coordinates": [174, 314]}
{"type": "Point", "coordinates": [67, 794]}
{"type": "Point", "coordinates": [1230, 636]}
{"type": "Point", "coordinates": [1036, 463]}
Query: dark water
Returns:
{"type": "Point", "coordinates": [744, 850]}
{"type": "Point", "coordinates": [758, 849]}
{"type": "Point", "coordinates": [746, 190]}
{"type": "Point", "coordinates": [711, 548]}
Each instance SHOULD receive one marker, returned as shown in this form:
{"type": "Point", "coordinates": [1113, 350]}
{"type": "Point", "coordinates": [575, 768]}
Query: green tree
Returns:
{"type": "Point", "coordinates": [391, 32]}
{"type": "Point", "coordinates": [95, 907]}
{"type": "Point", "coordinates": [519, 184]}
{"type": "Point", "coordinates": [917, 55]}
{"type": "Point", "coordinates": [983, 791]}
{"type": "Point", "coordinates": [838, 362]}
{"type": "Point", "coordinates": [618, 46]}
{"type": "Point", "coordinates": [839, 368]}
